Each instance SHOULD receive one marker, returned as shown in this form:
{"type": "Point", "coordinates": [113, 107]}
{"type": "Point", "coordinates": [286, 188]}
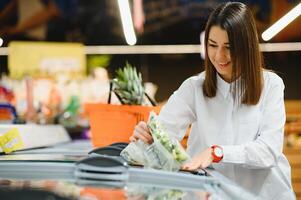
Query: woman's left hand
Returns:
{"type": "Point", "coordinates": [202, 160]}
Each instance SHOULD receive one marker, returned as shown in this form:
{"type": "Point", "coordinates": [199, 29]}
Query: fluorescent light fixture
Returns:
{"type": "Point", "coordinates": [202, 45]}
{"type": "Point", "coordinates": [127, 23]}
{"type": "Point", "coordinates": [281, 23]}
{"type": "Point", "coordinates": [1, 41]}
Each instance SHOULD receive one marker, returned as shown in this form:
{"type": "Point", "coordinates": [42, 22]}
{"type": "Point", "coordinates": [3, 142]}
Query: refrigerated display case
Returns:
{"type": "Point", "coordinates": [82, 172]}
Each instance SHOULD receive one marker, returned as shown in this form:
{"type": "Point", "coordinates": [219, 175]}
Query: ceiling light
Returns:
{"type": "Point", "coordinates": [127, 23]}
{"type": "Point", "coordinates": [281, 23]}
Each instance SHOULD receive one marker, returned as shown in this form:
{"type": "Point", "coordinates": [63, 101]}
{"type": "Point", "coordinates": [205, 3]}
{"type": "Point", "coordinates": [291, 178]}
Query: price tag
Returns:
{"type": "Point", "coordinates": [11, 141]}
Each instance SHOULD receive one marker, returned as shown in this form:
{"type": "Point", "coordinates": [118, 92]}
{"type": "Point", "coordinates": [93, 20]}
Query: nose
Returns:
{"type": "Point", "coordinates": [221, 54]}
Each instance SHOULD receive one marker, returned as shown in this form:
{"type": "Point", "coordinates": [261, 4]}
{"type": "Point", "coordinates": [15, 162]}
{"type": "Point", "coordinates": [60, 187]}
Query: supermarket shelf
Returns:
{"type": "Point", "coordinates": [171, 49]}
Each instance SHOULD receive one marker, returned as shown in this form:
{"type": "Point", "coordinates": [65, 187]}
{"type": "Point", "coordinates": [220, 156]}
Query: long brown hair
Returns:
{"type": "Point", "coordinates": [246, 58]}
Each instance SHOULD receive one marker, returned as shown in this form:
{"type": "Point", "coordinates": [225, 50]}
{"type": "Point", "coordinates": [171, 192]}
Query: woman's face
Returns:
{"type": "Point", "coordinates": [219, 52]}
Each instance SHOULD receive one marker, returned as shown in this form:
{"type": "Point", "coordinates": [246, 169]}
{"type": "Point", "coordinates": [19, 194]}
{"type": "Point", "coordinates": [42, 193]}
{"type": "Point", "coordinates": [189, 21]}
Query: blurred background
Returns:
{"type": "Point", "coordinates": [156, 22]}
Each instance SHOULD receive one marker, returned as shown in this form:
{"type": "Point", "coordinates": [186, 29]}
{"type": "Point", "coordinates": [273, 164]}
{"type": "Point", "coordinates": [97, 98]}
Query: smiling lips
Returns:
{"type": "Point", "coordinates": [223, 65]}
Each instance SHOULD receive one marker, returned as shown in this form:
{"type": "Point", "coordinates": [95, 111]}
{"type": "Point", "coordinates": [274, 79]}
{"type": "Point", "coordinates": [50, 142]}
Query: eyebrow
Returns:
{"type": "Point", "coordinates": [227, 43]}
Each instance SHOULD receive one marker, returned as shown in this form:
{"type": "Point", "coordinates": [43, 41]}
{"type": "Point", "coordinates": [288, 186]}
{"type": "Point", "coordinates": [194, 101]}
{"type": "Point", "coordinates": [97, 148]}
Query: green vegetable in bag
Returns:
{"type": "Point", "coordinates": [172, 146]}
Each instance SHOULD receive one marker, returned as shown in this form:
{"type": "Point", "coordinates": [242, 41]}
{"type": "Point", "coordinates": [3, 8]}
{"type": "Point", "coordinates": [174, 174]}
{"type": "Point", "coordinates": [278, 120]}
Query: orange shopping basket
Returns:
{"type": "Point", "coordinates": [115, 123]}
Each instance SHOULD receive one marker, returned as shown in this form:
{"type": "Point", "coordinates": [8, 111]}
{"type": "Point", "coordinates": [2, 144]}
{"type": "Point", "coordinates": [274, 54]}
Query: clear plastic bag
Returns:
{"type": "Point", "coordinates": [159, 158]}
{"type": "Point", "coordinates": [134, 153]}
{"type": "Point", "coordinates": [164, 153]}
{"type": "Point", "coordinates": [171, 145]}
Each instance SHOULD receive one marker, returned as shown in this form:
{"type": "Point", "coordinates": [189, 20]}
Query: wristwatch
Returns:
{"type": "Point", "coordinates": [217, 153]}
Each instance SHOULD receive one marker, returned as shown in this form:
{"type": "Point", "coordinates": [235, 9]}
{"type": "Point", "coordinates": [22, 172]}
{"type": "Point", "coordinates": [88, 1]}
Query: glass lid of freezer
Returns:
{"type": "Point", "coordinates": [162, 185]}
{"type": "Point", "coordinates": [98, 176]}
{"type": "Point", "coordinates": [54, 189]}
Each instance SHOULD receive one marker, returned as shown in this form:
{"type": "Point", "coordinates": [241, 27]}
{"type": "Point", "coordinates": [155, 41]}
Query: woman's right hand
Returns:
{"type": "Point", "coordinates": [141, 132]}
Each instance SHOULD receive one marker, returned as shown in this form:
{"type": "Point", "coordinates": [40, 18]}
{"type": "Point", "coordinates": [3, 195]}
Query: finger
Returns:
{"type": "Point", "coordinates": [133, 139]}
{"type": "Point", "coordinates": [143, 125]}
{"type": "Point", "coordinates": [206, 164]}
{"type": "Point", "coordinates": [184, 167]}
{"type": "Point", "coordinates": [145, 140]}
{"type": "Point", "coordinates": [136, 132]}
{"type": "Point", "coordinates": [147, 132]}
{"type": "Point", "coordinates": [188, 168]}
{"type": "Point", "coordinates": [191, 166]}
{"type": "Point", "coordinates": [141, 136]}
{"type": "Point", "coordinates": [134, 136]}
{"type": "Point", "coordinates": [143, 132]}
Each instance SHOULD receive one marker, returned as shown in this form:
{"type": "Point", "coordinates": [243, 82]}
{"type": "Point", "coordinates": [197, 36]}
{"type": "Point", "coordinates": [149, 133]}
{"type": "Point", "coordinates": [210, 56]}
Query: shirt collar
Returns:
{"type": "Point", "coordinates": [223, 86]}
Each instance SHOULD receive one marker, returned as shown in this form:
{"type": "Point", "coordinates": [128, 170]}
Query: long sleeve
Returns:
{"type": "Point", "coordinates": [178, 112]}
{"type": "Point", "coordinates": [264, 151]}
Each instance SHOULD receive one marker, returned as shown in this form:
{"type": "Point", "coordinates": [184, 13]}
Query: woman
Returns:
{"type": "Point", "coordinates": [235, 107]}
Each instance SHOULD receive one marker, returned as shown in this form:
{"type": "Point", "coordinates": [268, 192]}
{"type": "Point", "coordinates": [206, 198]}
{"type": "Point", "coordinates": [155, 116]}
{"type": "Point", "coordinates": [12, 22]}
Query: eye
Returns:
{"type": "Point", "coordinates": [227, 47]}
{"type": "Point", "coordinates": [212, 45]}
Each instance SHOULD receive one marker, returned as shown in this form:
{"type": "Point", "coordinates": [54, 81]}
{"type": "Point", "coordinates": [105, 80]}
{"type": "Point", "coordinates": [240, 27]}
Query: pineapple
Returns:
{"type": "Point", "coordinates": [128, 85]}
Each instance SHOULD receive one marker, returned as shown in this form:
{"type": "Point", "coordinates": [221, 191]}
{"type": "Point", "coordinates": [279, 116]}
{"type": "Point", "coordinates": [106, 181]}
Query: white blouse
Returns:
{"type": "Point", "coordinates": [251, 136]}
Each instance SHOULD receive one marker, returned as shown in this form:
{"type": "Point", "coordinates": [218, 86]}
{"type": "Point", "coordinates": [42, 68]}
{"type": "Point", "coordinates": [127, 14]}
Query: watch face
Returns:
{"type": "Point", "coordinates": [218, 152]}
